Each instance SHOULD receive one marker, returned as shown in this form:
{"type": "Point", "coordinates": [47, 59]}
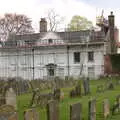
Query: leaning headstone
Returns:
{"type": "Point", "coordinates": [118, 101]}
{"type": "Point", "coordinates": [106, 108]}
{"type": "Point", "coordinates": [92, 110]}
{"type": "Point", "coordinates": [10, 97]}
{"type": "Point", "coordinates": [76, 112]}
{"type": "Point", "coordinates": [86, 86]}
{"type": "Point", "coordinates": [31, 114]}
{"type": "Point", "coordinates": [52, 110]}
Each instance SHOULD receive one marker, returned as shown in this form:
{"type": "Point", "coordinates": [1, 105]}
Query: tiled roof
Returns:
{"type": "Point", "coordinates": [70, 36]}
{"type": "Point", "coordinates": [66, 37]}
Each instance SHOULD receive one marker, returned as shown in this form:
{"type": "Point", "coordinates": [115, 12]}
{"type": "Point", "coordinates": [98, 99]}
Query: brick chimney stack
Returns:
{"type": "Point", "coordinates": [111, 20]}
{"type": "Point", "coordinates": [43, 25]}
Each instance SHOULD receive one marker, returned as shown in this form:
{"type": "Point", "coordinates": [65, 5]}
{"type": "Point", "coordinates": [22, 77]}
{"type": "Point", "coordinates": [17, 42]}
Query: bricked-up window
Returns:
{"type": "Point", "coordinates": [76, 57]}
{"type": "Point", "coordinates": [91, 56]}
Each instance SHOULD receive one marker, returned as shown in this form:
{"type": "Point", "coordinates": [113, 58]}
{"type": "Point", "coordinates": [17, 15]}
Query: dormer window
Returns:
{"type": "Point", "coordinates": [50, 41]}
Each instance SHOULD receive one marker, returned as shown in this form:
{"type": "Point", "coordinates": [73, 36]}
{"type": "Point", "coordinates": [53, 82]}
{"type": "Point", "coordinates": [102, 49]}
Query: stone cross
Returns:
{"type": "Point", "coordinates": [31, 114]}
{"type": "Point", "coordinates": [76, 112]}
{"type": "Point", "coordinates": [10, 97]}
{"type": "Point", "coordinates": [106, 108]}
{"type": "Point", "coordinates": [92, 110]}
{"type": "Point", "coordinates": [52, 110]}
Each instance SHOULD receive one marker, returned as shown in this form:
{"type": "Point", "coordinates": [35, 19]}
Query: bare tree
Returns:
{"type": "Point", "coordinates": [54, 20]}
{"type": "Point", "coordinates": [14, 24]}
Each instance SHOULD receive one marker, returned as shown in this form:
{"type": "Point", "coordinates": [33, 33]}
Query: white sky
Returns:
{"type": "Point", "coordinates": [35, 9]}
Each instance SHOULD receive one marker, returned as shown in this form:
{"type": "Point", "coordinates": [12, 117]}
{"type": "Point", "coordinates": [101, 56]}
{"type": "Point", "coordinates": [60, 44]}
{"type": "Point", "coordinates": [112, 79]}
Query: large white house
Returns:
{"type": "Point", "coordinates": [46, 54]}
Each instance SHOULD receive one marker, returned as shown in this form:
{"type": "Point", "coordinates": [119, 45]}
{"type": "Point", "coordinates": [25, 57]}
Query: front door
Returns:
{"type": "Point", "coordinates": [51, 70]}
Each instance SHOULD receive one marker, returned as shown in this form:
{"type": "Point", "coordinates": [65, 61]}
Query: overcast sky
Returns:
{"type": "Point", "coordinates": [35, 9]}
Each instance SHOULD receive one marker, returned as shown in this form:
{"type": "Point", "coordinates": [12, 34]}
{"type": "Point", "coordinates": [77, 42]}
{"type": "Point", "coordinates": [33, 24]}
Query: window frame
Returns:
{"type": "Point", "coordinates": [90, 56]}
{"type": "Point", "coordinates": [50, 41]}
{"type": "Point", "coordinates": [76, 57]}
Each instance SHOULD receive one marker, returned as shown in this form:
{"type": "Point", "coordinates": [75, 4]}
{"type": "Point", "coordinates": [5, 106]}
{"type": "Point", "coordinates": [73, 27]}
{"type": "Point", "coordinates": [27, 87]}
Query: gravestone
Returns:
{"type": "Point", "coordinates": [2, 100]}
{"type": "Point", "coordinates": [76, 112]}
{"type": "Point", "coordinates": [31, 114]}
{"type": "Point", "coordinates": [86, 86]}
{"type": "Point", "coordinates": [62, 96]}
{"type": "Point", "coordinates": [72, 93]}
{"type": "Point", "coordinates": [106, 108]}
{"type": "Point", "coordinates": [9, 116]}
{"type": "Point", "coordinates": [92, 110]}
{"type": "Point", "coordinates": [22, 87]}
{"type": "Point", "coordinates": [118, 101]}
{"type": "Point", "coordinates": [100, 89]}
{"type": "Point", "coordinates": [10, 97]}
{"type": "Point", "coordinates": [78, 90]}
{"type": "Point", "coordinates": [57, 94]}
{"type": "Point", "coordinates": [110, 86]}
{"type": "Point", "coordinates": [52, 110]}
{"type": "Point", "coordinates": [7, 112]}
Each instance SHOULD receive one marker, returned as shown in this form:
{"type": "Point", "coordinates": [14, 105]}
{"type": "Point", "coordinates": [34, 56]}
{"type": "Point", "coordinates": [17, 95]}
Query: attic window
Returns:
{"type": "Point", "coordinates": [50, 41]}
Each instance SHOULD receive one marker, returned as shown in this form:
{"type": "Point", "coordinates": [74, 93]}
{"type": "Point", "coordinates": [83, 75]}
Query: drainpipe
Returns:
{"type": "Point", "coordinates": [68, 64]}
{"type": "Point", "coordinates": [33, 68]}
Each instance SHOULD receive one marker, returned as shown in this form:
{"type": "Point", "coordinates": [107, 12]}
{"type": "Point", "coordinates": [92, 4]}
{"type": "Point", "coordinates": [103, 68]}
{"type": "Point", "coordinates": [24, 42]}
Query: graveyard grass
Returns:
{"type": "Point", "coordinates": [64, 105]}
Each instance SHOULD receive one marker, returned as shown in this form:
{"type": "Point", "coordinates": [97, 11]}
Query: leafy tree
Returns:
{"type": "Point", "coordinates": [79, 23]}
{"type": "Point", "coordinates": [14, 24]}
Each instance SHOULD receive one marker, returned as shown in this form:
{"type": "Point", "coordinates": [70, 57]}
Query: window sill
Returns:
{"type": "Point", "coordinates": [91, 61]}
{"type": "Point", "coordinates": [76, 62]}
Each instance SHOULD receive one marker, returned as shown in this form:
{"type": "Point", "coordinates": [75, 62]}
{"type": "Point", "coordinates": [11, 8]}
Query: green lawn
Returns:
{"type": "Point", "coordinates": [64, 105]}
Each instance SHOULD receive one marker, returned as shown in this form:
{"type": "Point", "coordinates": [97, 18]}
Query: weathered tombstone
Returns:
{"type": "Point", "coordinates": [106, 108]}
{"type": "Point", "coordinates": [10, 97]}
{"type": "Point", "coordinates": [62, 96]}
{"type": "Point", "coordinates": [31, 114]}
{"type": "Point", "coordinates": [9, 116]}
{"type": "Point", "coordinates": [100, 89]}
{"type": "Point", "coordinates": [72, 93]}
{"type": "Point", "coordinates": [2, 100]}
{"type": "Point", "coordinates": [7, 112]}
{"type": "Point", "coordinates": [118, 101]}
{"type": "Point", "coordinates": [86, 86]}
{"type": "Point", "coordinates": [76, 112]}
{"type": "Point", "coordinates": [57, 93]}
{"type": "Point", "coordinates": [22, 87]}
{"type": "Point", "coordinates": [92, 110]}
{"type": "Point", "coordinates": [52, 110]}
{"type": "Point", "coordinates": [78, 90]}
{"type": "Point", "coordinates": [110, 86]}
